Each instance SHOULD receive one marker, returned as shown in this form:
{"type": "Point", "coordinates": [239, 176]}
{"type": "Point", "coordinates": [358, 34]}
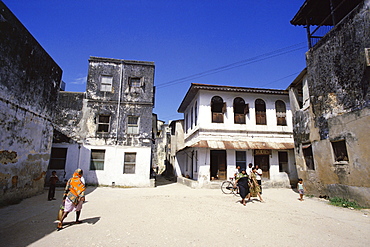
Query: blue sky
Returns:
{"type": "Point", "coordinates": [183, 38]}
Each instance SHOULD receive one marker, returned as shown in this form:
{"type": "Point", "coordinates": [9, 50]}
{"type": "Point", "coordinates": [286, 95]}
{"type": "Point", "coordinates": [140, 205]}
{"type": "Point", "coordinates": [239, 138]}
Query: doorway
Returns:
{"type": "Point", "coordinates": [218, 164]}
{"type": "Point", "coordinates": [264, 163]}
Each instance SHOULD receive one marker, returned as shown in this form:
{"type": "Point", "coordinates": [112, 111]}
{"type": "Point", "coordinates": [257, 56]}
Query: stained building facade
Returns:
{"type": "Point", "coordinates": [107, 130]}
{"type": "Point", "coordinates": [330, 100]}
{"type": "Point", "coordinates": [29, 85]}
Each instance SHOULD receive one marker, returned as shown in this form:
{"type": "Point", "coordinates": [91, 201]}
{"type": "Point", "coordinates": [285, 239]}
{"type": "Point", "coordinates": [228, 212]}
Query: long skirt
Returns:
{"type": "Point", "coordinates": [243, 187]}
{"type": "Point", "coordinates": [70, 207]}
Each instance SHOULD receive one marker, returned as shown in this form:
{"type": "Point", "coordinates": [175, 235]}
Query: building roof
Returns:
{"type": "Point", "coordinates": [243, 145]}
{"type": "Point", "coordinates": [299, 78]}
{"type": "Point", "coordinates": [195, 87]}
{"type": "Point", "coordinates": [318, 12]}
{"type": "Point", "coordinates": [119, 61]}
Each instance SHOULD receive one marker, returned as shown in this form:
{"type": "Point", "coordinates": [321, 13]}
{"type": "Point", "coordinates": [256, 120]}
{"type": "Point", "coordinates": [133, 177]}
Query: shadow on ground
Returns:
{"type": "Point", "coordinates": [33, 218]}
{"type": "Point", "coordinates": [161, 181]}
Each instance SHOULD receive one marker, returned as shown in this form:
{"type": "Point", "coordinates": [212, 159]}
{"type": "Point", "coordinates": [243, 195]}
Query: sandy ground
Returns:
{"type": "Point", "coordinates": [176, 215]}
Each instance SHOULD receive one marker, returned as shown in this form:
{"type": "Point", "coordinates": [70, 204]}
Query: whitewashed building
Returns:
{"type": "Point", "coordinates": [227, 126]}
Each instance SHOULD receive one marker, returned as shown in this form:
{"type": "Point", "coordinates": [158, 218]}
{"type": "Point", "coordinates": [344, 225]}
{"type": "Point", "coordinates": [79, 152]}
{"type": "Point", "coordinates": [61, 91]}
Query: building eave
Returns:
{"type": "Point", "coordinates": [195, 87]}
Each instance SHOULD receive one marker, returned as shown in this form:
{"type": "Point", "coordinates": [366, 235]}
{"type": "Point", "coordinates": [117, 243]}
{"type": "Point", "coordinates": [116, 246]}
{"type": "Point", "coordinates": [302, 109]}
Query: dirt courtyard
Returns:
{"type": "Point", "coordinates": [176, 215]}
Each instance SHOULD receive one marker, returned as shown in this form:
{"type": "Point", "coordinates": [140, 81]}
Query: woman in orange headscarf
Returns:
{"type": "Point", "coordinates": [74, 196]}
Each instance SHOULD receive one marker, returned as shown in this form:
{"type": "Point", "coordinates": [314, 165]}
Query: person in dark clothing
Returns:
{"type": "Point", "coordinates": [53, 181]}
{"type": "Point", "coordinates": [242, 181]}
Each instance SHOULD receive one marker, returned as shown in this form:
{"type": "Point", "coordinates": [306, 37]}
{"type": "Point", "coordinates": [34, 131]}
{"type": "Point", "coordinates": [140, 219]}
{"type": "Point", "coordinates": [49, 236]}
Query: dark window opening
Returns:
{"type": "Point", "coordinates": [340, 150]}
{"type": "Point", "coordinates": [58, 158]}
{"type": "Point", "coordinates": [260, 112]}
{"type": "Point", "coordinates": [218, 108]}
{"type": "Point", "coordinates": [241, 159]}
{"type": "Point", "coordinates": [135, 82]}
{"type": "Point", "coordinates": [191, 118]}
{"type": "Point", "coordinates": [196, 113]}
{"type": "Point", "coordinates": [103, 123]}
{"type": "Point", "coordinates": [280, 112]}
{"type": "Point", "coordinates": [283, 161]}
{"type": "Point", "coordinates": [240, 110]}
{"type": "Point", "coordinates": [308, 156]}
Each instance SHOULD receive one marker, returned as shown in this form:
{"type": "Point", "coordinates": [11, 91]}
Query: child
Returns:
{"type": "Point", "coordinates": [53, 181]}
{"type": "Point", "coordinates": [300, 189]}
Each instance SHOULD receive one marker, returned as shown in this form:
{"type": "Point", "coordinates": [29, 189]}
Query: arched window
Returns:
{"type": "Point", "coordinates": [240, 109]}
{"type": "Point", "coordinates": [218, 108]}
{"type": "Point", "coordinates": [280, 112]}
{"type": "Point", "coordinates": [260, 112]}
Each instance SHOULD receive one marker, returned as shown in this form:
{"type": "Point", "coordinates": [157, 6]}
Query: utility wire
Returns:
{"type": "Point", "coordinates": [244, 62]}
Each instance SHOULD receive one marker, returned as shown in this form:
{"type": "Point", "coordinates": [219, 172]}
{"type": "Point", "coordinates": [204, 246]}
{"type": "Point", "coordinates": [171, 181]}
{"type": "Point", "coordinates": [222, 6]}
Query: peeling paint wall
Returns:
{"type": "Point", "coordinates": [29, 83]}
{"type": "Point", "coordinates": [338, 84]}
{"type": "Point", "coordinates": [78, 119]}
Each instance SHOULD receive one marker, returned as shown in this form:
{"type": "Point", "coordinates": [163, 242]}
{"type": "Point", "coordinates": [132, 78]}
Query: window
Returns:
{"type": "Point", "coordinates": [308, 156]}
{"type": "Point", "coordinates": [196, 162]}
{"type": "Point", "coordinates": [130, 163]}
{"type": "Point", "coordinates": [196, 113]}
{"type": "Point", "coordinates": [260, 112]}
{"type": "Point", "coordinates": [241, 159]}
{"type": "Point", "coordinates": [186, 123]}
{"type": "Point", "coordinates": [283, 161]}
{"type": "Point", "coordinates": [240, 110]}
{"type": "Point", "coordinates": [218, 108]}
{"type": "Point", "coordinates": [58, 158]}
{"type": "Point", "coordinates": [135, 82]}
{"type": "Point", "coordinates": [340, 150]}
{"type": "Point", "coordinates": [280, 112]}
{"type": "Point", "coordinates": [133, 125]}
{"type": "Point", "coordinates": [106, 83]}
{"type": "Point", "coordinates": [191, 118]}
{"type": "Point", "coordinates": [97, 159]}
{"type": "Point", "coordinates": [103, 123]}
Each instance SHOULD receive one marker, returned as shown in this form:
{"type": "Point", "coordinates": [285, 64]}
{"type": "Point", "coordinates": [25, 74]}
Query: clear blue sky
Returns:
{"type": "Point", "coordinates": [182, 37]}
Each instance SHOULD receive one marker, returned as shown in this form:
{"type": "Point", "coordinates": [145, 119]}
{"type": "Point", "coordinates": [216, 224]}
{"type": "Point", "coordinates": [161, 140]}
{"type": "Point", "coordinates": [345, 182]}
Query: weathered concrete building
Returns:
{"type": "Point", "coordinates": [107, 131]}
{"type": "Point", "coordinates": [160, 140]}
{"type": "Point", "coordinates": [330, 100]}
{"type": "Point", "coordinates": [29, 84]}
{"type": "Point", "coordinates": [227, 126]}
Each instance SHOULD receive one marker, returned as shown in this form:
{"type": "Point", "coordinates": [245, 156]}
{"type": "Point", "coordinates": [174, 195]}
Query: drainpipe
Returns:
{"type": "Point", "coordinates": [119, 100]}
{"type": "Point", "coordinates": [78, 157]}
{"type": "Point", "coordinates": [308, 35]}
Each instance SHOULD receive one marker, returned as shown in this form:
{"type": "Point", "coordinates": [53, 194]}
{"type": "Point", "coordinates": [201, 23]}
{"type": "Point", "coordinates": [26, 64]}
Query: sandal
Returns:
{"type": "Point", "coordinates": [78, 222]}
{"type": "Point", "coordinates": [60, 226]}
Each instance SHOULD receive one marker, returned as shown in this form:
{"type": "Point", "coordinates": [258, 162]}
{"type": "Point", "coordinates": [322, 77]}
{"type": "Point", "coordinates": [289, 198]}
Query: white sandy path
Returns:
{"type": "Point", "coordinates": [175, 215]}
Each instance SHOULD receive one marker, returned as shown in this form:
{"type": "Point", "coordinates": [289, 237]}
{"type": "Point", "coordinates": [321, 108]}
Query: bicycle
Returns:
{"type": "Point", "coordinates": [227, 187]}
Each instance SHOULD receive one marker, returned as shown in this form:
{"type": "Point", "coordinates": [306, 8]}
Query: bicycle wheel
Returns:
{"type": "Point", "coordinates": [227, 187]}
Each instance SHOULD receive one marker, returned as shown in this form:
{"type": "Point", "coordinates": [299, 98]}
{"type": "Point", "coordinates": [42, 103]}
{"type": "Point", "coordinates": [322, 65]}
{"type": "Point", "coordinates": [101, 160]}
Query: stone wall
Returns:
{"type": "Point", "coordinates": [338, 81]}
{"type": "Point", "coordinates": [29, 84]}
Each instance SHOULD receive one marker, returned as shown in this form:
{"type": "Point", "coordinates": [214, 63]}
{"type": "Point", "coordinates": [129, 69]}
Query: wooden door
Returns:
{"type": "Point", "coordinates": [264, 163]}
{"type": "Point", "coordinates": [218, 164]}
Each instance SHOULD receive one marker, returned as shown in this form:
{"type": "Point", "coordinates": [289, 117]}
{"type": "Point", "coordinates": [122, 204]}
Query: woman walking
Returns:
{"type": "Point", "coordinates": [242, 181]}
{"type": "Point", "coordinates": [74, 196]}
{"type": "Point", "coordinates": [255, 187]}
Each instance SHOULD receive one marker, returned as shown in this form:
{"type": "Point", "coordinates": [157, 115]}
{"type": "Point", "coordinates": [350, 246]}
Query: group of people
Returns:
{"type": "Point", "coordinates": [249, 182]}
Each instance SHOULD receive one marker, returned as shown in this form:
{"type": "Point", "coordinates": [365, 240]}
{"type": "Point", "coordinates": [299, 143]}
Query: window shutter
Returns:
{"type": "Point", "coordinates": [224, 107]}
{"type": "Point", "coordinates": [246, 109]}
